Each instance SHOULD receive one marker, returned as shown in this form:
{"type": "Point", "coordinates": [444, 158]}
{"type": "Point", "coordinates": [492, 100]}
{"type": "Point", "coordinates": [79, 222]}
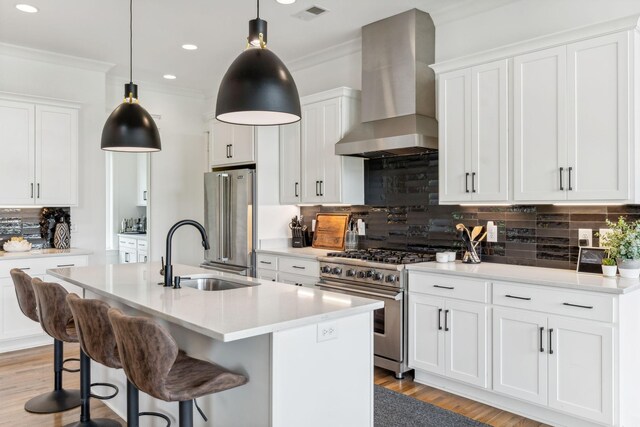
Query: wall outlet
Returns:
{"type": "Point", "coordinates": [602, 232]}
{"type": "Point", "coordinates": [585, 234]}
{"type": "Point", "coordinates": [327, 331]}
{"type": "Point", "coordinates": [74, 228]}
{"type": "Point", "coordinates": [361, 227]}
{"type": "Point", "coordinates": [492, 232]}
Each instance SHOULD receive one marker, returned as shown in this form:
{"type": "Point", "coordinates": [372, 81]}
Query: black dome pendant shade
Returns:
{"type": "Point", "coordinates": [130, 128]}
{"type": "Point", "coordinates": [258, 89]}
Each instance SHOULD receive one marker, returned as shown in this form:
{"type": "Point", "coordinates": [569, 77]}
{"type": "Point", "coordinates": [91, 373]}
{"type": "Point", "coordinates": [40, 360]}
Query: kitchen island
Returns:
{"type": "Point", "coordinates": [308, 354]}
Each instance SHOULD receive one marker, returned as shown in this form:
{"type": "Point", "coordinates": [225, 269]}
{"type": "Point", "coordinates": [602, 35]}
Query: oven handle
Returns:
{"type": "Point", "coordinates": [396, 297]}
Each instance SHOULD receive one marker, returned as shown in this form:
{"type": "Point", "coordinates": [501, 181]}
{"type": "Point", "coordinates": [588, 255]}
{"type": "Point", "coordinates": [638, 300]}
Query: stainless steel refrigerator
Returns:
{"type": "Point", "coordinates": [230, 220]}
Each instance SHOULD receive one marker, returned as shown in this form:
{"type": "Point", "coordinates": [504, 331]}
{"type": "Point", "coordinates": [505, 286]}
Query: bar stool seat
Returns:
{"type": "Point", "coordinates": [154, 364]}
{"type": "Point", "coordinates": [59, 399]}
{"type": "Point", "coordinates": [56, 319]}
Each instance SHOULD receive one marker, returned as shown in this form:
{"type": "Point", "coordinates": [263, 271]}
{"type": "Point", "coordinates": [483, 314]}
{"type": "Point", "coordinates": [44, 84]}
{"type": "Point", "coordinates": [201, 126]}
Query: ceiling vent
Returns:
{"type": "Point", "coordinates": [311, 13]}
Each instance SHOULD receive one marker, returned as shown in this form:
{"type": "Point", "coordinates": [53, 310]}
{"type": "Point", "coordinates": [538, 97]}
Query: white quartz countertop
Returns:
{"type": "Point", "coordinates": [224, 315]}
{"type": "Point", "coordinates": [42, 253]}
{"type": "Point", "coordinates": [531, 275]}
{"type": "Point", "coordinates": [309, 252]}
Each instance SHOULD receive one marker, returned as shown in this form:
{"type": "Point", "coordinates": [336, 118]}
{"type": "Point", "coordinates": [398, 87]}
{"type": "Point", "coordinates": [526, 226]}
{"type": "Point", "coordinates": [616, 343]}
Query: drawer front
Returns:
{"type": "Point", "coordinates": [585, 305]}
{"type": "Point", "coordinates": [126, 243]}
{"type": "Point", "coordinates": [267, 262]}
{"type": "Point", "coordinates": [38, 266]}
{"type": "Point", "coordinates": [449, 286]}
{"type": "Point", "coordinates": [263, 274]}
{"type": "Point", "coordinates": [142, 245]}
{"type": "Point", "coordinates": [297, 280]}
{"type": "Point", "coordinates": [300, 266]}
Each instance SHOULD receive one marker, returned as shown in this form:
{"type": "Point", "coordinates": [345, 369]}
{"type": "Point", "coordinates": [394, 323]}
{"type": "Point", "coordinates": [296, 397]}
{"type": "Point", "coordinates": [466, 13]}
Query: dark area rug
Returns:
{"type": "Point", "coordinates": [397, 410]}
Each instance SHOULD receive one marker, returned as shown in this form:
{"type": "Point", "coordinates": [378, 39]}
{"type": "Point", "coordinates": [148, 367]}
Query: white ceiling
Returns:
{"type": "Point", "coordinates": [98, 29]}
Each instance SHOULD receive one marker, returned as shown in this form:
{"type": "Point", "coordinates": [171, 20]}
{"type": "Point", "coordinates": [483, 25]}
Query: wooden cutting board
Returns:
{"type": "Point", "coordinates": [330, 231]}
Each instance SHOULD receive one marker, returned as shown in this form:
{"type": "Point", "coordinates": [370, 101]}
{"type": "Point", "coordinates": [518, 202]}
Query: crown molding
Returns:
{"type": "Point", "coordinates": [54, 58]}
{"type": "Point", "coordinates": [157, 87]}
{"type": "Point", "coordinates": [20, 97]}
{"type": "Point", "coordinates": [465, 9]}
{"type": "Point", "coordinates": [318, 57]}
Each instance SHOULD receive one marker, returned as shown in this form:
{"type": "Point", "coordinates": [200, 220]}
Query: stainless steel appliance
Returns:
{"type": "Point", "coordinates": [377, 274]}
{"type": "Point", "coordinates": [229, 220]}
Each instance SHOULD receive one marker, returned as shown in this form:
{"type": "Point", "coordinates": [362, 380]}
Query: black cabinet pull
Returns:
{"type": "Point", "coordinates": [439, 317]}
{"type": "Point", "coordinates": [444, 287]}
{"type": "Point", "coordinates": [473, 182]}
{"type": "Point", "coordinates": [24, 268]}
{"type": "Point", "coordinates": [321, 189]}
{"type": "Point", "coordinates": [561, 185]}
{"type": "Point", "coordinates": [317, 191]}
{"type": "Point", "coordinates": [299, 268]}
{"type": "Point", "coordinates": [231, 151]}
{"type": "Point", "coordinates": [517, 297]}
{"type": "Point", "coordinates": [446, 324]}
{"type": "Point", "coordinates": [38, 192]}
{"type": "Point", "coordinates": [541, 334]}
{"type": "Point", "coordinates": [32, 190]}
{"type": "Point", "coordinates": [295, 189]}
{"type": "Point", "coordinates": [551, 341]}
{"type": "Point", "coordinates": [265, 262]}
{"type": "Point", "coordinates": [144, 195]}
{"type": "Point", "coordinates": [589, 307]}
{"type": "Point", "coordinates": [65, 265]}
{"type": "Point", "coordinates": [570, 189]}
{"type": "Point", "coordinates": [466, 182]}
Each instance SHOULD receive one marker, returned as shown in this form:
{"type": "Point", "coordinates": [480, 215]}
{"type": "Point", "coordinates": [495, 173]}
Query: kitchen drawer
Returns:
{"type": "Point", "coordinates": [267, 262]}
{"type": "Point", "coordinates": [142, 245]}
{"type": "Point", "coordinates": [127, 243]}
{"type": "Point", "coordinates": [267, 275]}
{"type": "Point", "coordinates": [586, 305]}
{"type": "Point", "coordinates": [300, 266]}
{"type": "Point", "coordinates": [449, 286]}
{"type": "Point", "coordinates": [297, 280]}
{"type": "Point", "coordinates": [38, 266]}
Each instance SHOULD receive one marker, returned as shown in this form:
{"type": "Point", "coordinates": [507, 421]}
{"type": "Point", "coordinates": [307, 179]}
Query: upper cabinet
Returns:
{"type": "Point", "coordinates": [310, 171]}
{"type": "Point", "coordinates": [39, 162]}
{"type": "Point", "coordinates": [230, 144]}
{"type": "Point", "coordinates": [541, 124]}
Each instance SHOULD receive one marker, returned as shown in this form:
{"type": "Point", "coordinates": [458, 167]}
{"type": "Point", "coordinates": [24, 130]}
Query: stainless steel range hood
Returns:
{"type": "Point", "coordinates": [398, 89]}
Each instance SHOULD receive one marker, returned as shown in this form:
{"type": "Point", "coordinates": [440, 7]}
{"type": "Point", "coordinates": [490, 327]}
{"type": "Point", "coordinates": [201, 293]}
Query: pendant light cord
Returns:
{"type": "Point", "coordinates": [130, 41]}
{"type": "Point", "coordinates": [258, 8]}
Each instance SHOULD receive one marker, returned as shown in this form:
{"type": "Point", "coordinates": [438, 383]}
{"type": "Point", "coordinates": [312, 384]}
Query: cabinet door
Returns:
{"type": "Point", "coordinates": [489, 132]}
{"type": "Point", "coordinates": [17, 161]}
{"type": "Point", "coordinates": [466, 341]}
{"type": "Point", "coordinates": [128, 256]}
{"type": "Point", "coordinates": [312, 149]}
{"type": "Point", "coordinates": [290, 164]}
{"type": "Point", "coordinates": [143, 168]}
{"type": "Point", "coordinates": [539, 122]}
{"type": "Point", "coordinates": [220, 141]}
{"type": "Point", "coordinates": [426, 333]}
{"type": "Point", "coordinates": [56, 156]}
{"type": "Point", "coordinates": [581, 368]}
{"type": "Point", "coordinates": [331, 176]}
{"type": "Point", "coordinates": [598, 116]}
{"type": "Point", "coordinates": [520, 354]}
{"type": "Point", "coordinates": [454, 124]}
{"type": "Point", "coordinates": [14, 324]}
{"type": "Point", "coordinates": [241, 150]}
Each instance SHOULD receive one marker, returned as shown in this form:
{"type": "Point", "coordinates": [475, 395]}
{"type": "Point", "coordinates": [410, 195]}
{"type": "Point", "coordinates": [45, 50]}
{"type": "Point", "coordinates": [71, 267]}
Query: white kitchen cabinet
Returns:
{"type": "Point", "coordinates": [267, 274]}
{"type": "Point", "coordinates": [520, 348]}
{"type": "Point", "coordinates": [132, 248]}
{"type": "Point", "coordinates": [326, 177]}
{"type": "Point", "coordinates": [474, 143]}
{"type": "Point", "coordinates": [426, 340]}
{"type": "Point", "coordinates": [297, 279]}
{"type": "Point", "coordinates": [289, 269]}
{"type": "Point", "coordinates": [142, 191]}
{"type": "Point", "coordinates": [290, 178]}
{"type": "Point", "coordinates": [39, 164]}
{"type": "Point", "coordinates": [581, 368]}
{"type": "Point", "coordinates": [230, 144]}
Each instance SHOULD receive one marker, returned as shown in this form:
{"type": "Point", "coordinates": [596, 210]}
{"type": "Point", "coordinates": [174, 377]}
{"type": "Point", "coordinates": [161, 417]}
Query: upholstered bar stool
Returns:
{"type": "Point", "coordinates": [99, 343]}
{"type": "Point", "coordinates": [59, 399]}
{"type": "Point", "coordinates": [57, 321]}
{"type": "Point", "coordinates": [154, 364]}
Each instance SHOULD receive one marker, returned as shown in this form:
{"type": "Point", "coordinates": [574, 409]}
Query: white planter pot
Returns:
{"type": "Point", "coordinates": [609, 270]}
{"type": "Point", "coordinates": [629, 268]}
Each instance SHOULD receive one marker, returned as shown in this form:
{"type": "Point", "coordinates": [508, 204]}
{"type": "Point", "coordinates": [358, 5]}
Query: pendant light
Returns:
{"type": "Point", "coordinates": [257, 88]}
{"type": "Point", "coordinates": [130, 127]}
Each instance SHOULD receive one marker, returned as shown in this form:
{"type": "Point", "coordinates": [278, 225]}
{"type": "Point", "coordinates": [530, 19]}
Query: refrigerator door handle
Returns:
{"type": "Point", "coordinates": [222, 216]}
{"type": "Point", "coordinates": [227, 218]}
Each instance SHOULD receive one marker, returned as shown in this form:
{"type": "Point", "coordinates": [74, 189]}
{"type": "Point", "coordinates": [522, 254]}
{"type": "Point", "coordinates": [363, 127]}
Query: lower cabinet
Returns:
{"type": "Point", "coordinates": [132, 249]}
{"type": "Point", "coordinates": [449, 337]}
{"type": "Point", "coordinates": [292, 270]}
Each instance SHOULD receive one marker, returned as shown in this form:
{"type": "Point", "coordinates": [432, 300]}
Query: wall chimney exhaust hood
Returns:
{"type": "Point", "coordinates": [398, 89]}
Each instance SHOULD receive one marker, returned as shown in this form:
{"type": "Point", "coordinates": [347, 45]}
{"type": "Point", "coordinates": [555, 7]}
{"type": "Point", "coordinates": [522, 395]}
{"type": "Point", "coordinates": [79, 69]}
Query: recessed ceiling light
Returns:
{"type": "Point", "coordinates": [189, 46]}
{"type": "Point", "coordinates": [286, 1]}
{"type": "Point", "coordinates": [169, 76]}
{"type": "Point", "coordinates": [26, 8]}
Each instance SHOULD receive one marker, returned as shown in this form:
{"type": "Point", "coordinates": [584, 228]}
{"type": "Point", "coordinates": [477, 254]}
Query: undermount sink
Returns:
{"type": "Point", "coordinates": [212, 284]}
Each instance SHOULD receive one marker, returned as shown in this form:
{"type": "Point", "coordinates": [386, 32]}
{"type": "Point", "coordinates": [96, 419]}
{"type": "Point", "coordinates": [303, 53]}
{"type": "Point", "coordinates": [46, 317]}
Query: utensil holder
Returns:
{"type": "Point", "coordinates": [472, 254]}
{"type": "Point", "coordinates": [298, 238]}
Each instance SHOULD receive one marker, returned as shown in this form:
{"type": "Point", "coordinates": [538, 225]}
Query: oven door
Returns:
{"type": "Point", "coordinates": [388, 330]}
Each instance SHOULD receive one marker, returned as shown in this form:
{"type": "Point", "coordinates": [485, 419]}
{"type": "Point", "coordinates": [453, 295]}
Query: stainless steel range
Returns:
{"type": "Point", "coordinates": [378, 274]}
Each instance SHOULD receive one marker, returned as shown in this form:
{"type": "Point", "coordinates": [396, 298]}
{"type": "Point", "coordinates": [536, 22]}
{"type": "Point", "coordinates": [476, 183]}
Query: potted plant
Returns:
{"type": "Point", "coordinates": [609, 267]}
{"type": "Point", "coordinates": [623, 242]}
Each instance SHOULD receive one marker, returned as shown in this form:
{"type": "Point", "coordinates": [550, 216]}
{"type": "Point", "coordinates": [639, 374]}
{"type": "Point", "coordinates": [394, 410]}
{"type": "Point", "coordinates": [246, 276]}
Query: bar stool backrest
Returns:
{"type": "Point", "coordinates": [55, 316]}
{"type": "Point", "coordinates": [147, 352]}
{"type": "Point", "coordinates": [94, 330]}
{"type": "Point", "coordinates": [24, 293]}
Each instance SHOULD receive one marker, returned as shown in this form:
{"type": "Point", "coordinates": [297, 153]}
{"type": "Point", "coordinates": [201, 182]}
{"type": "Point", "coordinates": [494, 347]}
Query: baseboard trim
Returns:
{"type": "Point", "coordinates": [14, 344]}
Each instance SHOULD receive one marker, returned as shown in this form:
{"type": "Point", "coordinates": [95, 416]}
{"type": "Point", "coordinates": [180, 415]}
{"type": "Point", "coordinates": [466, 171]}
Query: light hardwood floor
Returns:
{"type": "Point", "coordinates": [27, 373]}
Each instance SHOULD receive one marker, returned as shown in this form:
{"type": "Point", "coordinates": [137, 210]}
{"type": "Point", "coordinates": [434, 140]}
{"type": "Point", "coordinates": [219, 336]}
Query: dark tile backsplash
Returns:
{"type": "Point", "coordinates": [402, 212]}
{"type": "Point", "coordinates": [24, 222]}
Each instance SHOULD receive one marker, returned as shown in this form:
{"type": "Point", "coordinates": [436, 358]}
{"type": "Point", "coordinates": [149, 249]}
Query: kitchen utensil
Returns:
{"type": "Point", "coordinates": [476, 232]}
{"type": "Point", "coordinates": [480, 240]}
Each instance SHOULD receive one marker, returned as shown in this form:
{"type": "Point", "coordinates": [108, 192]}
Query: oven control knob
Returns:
{"type": "Point", "coordinates": [351, 273]}
{"type": "Point", "coordinates": [325, 269]}
{"type": "Point", "coordinates": [392, 278]}
{"type": "Point", "coordinates": [370, 274]}
{"type": "Point", "coordinates": [378, 276]}
{"type": "Point", "coordinates": [362, 274]}
{"type": "Point", "coordinates": [337, 271]}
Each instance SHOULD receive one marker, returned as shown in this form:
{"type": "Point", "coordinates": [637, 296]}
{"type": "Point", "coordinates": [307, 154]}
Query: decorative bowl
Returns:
{"type": "Point", "coordinates": [13, 246]}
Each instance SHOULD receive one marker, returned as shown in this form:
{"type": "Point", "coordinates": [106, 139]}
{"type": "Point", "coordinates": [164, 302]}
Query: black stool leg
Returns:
{"type": "Point", "coordinates": [186, 413]}
{"type": "Point", "coordinates": [59, 399]}
{"type": "Point", "coordinates": [85, 397]}
{"type": "Point", "coordinates": [133, 419]}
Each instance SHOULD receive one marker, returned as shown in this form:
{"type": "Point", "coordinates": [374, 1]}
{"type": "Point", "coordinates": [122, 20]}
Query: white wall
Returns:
{"type": "Point", "coordinates": [37, 78]}
{"type": "Point", "coordinates": [176, 189]}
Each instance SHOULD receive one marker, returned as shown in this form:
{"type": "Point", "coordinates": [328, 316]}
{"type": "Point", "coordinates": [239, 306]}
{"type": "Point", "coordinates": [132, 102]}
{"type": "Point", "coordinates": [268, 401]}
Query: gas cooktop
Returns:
{"type": "Point", "coordinates": [385, 256]}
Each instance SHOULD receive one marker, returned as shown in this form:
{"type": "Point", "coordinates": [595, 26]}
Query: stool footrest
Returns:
{"type": "Point", "coordinates": [71, 359]}
{"type": "Point", "coordinates": [107, 397]}
{"type": "Point", "coordinates": [200, 410]}
{"type": "Point", "coordinates": [157, 414]}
